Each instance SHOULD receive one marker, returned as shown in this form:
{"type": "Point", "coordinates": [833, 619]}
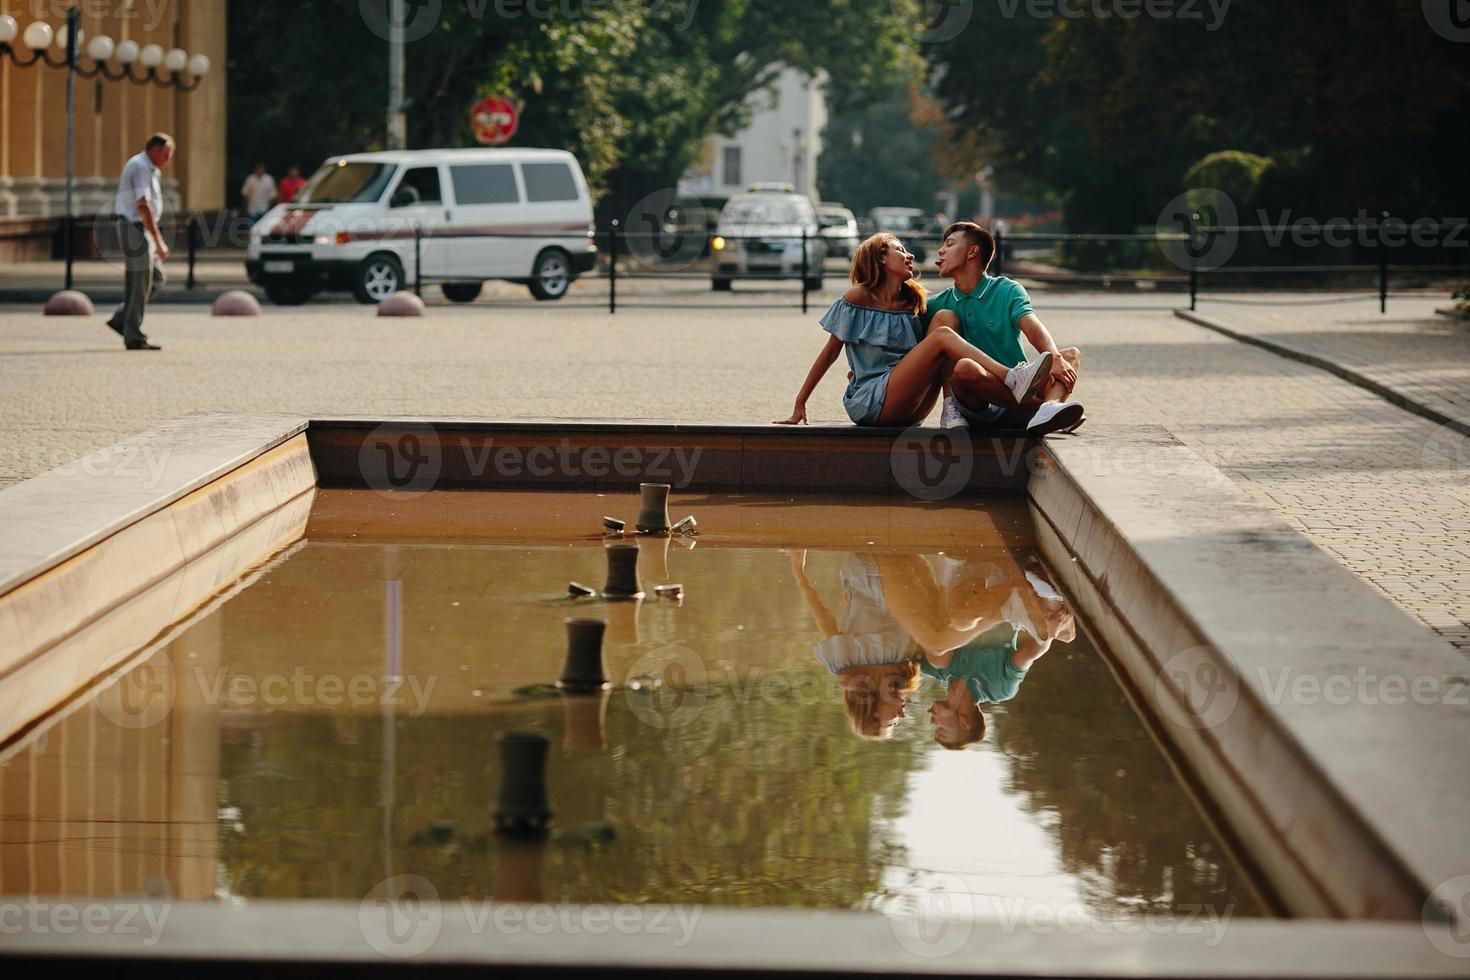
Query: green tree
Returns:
{"type": "Point", "coordinates": [1361, 103]}
{"type": "Point", "coordinates": [875, 154]}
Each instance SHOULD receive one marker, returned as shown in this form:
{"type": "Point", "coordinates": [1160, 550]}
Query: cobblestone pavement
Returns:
{"type": "Point", "coordinates": [1385, 491]}
{"type": "Point", "coordinates": [1409, 350]}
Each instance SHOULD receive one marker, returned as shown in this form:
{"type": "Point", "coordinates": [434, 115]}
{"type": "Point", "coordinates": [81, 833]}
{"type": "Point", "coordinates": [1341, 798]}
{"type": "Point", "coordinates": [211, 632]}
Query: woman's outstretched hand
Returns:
{"type": "Point", "coordinates": [798, 416]}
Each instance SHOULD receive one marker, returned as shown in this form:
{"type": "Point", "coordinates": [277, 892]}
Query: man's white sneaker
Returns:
{"type": "Point", "coordinates": [949, 416]}
{"type": "Point", "coordinates": [1024, 379]}
{"type": "Point", "coordinates": [1055, 417]}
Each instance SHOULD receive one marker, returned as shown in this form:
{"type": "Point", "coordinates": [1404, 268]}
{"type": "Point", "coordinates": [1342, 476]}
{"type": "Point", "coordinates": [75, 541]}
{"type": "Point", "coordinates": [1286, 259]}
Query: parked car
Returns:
{"type": "Point", "coordinates": [906, 223]}
{"type": "Point", "coordinates": [839, 227]}
{"type": "Point", "coordinates": [353, 225]}
{"type": "Point", "coordinates": [760, 236]}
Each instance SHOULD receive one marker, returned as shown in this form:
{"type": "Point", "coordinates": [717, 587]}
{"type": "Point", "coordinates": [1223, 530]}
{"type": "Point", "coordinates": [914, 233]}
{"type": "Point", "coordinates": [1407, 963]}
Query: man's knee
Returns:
{"type": "Point", "coordinates": [945, 318]}
{"type": "Point", "coordinates": [967, 371]}
{"type": "Point", "coordinates": [1072, 356]}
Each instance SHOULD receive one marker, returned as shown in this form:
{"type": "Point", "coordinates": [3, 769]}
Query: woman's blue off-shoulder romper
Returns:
{"type": "Point", "coordinates": [875, 341]}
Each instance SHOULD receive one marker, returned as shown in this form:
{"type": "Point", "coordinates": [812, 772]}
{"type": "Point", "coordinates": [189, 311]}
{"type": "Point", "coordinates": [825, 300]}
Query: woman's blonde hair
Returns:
{"type": "Point", "coordinates": [867, 271]}
{"type": "Point", "coordinates": [866, 688]}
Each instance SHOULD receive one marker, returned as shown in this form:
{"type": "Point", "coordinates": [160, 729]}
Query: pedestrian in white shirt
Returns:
{"type": "Point", "coordinates": [260, 193]}
{"type": "Point", "coordinates": [139, 210]}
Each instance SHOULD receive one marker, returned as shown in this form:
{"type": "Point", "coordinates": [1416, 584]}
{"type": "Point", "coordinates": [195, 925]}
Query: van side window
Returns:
{"type": "Point", "coordinates": [419, 186]}
{"type": "Point", "coordinates": [493, 183]}
{"type": "Point", "coordinates": [549, 182]}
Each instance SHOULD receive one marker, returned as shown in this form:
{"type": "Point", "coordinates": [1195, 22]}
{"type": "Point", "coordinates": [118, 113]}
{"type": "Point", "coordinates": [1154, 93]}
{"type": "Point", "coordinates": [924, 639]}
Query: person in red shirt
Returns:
{"type": "Point", "coordinates": [291, 185]}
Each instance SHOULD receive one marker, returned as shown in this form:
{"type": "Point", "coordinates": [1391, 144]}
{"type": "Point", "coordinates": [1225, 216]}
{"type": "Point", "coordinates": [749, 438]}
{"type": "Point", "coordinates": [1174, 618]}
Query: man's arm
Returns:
{"type": "Point", "coordinates": [151, 226]}
{"type": "Point", "coordinates": [1041, 339]}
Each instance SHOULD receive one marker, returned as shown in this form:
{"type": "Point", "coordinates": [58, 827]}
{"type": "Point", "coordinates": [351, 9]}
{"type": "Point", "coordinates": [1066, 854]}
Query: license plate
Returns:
{"type": "Point", "coordinates": [280, 267]}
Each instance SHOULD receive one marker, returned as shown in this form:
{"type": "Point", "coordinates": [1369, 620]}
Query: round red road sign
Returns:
{"type": "Point", "coordinates": [495, 119]}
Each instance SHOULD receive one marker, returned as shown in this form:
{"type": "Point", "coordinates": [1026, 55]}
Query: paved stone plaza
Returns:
{"type": "Point", "coordinates": [1385, 491]}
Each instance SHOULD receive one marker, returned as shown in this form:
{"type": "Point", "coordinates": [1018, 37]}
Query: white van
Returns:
{"type": "Point", "coordinates": [353, 225]}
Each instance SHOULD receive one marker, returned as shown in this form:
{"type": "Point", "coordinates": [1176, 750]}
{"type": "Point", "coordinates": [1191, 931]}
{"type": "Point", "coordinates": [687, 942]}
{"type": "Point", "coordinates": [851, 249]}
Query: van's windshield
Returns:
{"type": "Point", "coordinates": [344, 182]}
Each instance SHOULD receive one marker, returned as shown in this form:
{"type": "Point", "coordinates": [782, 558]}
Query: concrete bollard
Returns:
{"type": "Point", "coordinates": [236, 302]}
{"type": "Point", "coordinates": [69, 302]}
{"type": "Point", "coordinates": [401, 304]}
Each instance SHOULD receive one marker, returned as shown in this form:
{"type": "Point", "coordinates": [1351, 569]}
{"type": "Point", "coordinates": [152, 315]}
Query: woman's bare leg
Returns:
{"type": "Point", "coordinates": [942, 356]}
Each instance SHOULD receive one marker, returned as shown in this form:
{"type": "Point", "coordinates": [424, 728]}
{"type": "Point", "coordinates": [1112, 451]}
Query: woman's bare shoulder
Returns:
{"type": "Point", "coordinates": [859, 296]}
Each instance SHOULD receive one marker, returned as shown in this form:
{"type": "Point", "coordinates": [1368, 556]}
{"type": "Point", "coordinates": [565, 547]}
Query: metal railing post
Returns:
{"type": "Point", "coordinates": [418, 261]}
{"type": "Point", "coordinates": [612, 268]}
{"type": "Point", "coordinates": [1193, 261]}
{"type": "Point", "coordinates": [804, 270]}
{"type": "Point", "coordinates": [192, 230]}
{"type": "Point", "coordinates": [1382, 267]}
{"type": "Point", "coordinates": [1000, 252]}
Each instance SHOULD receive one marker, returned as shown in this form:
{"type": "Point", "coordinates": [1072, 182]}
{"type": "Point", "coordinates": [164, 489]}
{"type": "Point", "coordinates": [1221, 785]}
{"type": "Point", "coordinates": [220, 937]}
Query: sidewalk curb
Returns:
{"type": "Point", "coordinates": [1332, 367]}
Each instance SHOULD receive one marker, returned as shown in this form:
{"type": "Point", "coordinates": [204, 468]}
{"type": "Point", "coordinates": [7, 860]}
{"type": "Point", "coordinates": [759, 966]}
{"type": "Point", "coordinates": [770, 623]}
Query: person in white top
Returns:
{"type": "Point", "coordinates": [260, 193]}
{"type": "Point", "coordinates": [139, 210]}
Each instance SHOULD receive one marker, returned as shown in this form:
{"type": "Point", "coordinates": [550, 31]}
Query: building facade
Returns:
{"type": "Point", "coordinates": [781, 143]}
{"type": "Point", "coordinates": [113, 118]}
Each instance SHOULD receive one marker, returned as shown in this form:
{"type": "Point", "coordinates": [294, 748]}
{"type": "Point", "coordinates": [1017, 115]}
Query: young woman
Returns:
{"type": "Point", "coordinates": [898, 371]}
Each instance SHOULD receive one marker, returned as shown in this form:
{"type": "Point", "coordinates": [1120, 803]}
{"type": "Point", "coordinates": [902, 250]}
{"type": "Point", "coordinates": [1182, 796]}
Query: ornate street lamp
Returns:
{"type": "Point", "coordinates": [179, 71]}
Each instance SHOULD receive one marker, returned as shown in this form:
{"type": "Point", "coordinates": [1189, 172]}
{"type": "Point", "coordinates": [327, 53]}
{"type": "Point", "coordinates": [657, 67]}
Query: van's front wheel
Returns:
{"type": "Point", "coordinates": [551, 276]}
{"type": "Point", "coordinates": [378, 277]}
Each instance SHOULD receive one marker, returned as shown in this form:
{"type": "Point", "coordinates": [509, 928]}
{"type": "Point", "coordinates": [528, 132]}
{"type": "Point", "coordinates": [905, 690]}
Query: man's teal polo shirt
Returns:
{"type": "Point", "coordinates": [989, 317]}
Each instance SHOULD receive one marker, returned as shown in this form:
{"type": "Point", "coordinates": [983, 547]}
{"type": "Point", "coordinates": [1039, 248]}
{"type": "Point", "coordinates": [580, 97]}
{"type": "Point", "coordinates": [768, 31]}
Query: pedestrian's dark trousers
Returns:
{"type": "Point", "coordinates": [142, 277]}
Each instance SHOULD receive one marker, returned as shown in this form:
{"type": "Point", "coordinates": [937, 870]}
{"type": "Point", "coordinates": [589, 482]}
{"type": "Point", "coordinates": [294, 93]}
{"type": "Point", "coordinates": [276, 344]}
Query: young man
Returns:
{"type": "Point", "coordinates": [259, 193]}
{"type": "Point", "coordinates": [139, 209]}
{"type": "Point", "coordinates": [993, 312]}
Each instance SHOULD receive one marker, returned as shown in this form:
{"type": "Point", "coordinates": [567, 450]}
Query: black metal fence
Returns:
{"type": "Point", "coordinates": [1355, 257]}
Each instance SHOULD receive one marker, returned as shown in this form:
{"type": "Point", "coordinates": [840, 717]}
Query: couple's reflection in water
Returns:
{"type": "Point", "coordinates": [973, 625]}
